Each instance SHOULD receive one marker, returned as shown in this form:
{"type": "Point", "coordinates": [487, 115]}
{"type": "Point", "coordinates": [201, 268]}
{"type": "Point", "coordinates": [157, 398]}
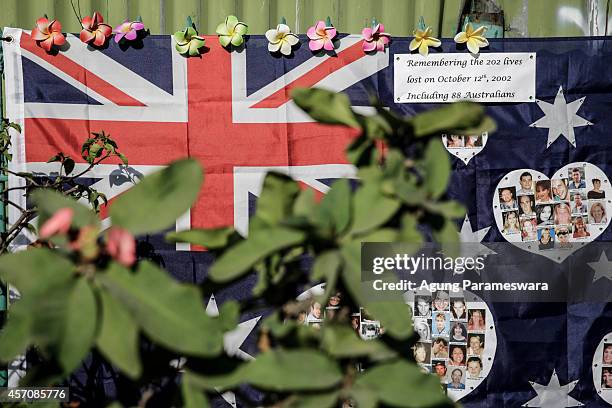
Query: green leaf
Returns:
{"type": "Point", "coordinates": [447, 119]}
{"type": "Point", "coordinates": [68, 165]}
{"type": "Point", "coordinates": [34, 271]}
{"type": "Point", "coordinates": [305, 205]}
{"type": "Point", "coordinates": [409, 230]}
{"type": "Point", "coordinates": [436, 168]}
{"type": "Point", "coordinates": [326, 266]}
{"type": "Point", "coordinates": [363, 397]}
{"type": "Point", "coordinates": [448, 209]}
{"type": "Point", "coordinates": [371, 208]}
{"type": "Point", "coordinates": [335, 207]}
{"type": "Point", "coordinates": [276, 199]}
{"type": "Point", "coordinates": [222, 373]}
{"type": "Point", "coordinates": [401, 384]}
{"type": "Point", "coordinates": [15, 336]}
{"type": "Point", "coordinates": [79, 326]}
{"type": "Point", "coordinates": [118, 336]}
{"type": "Point", "coordinates": [319, 400]}
{"type": "Point", "coordinates": [229, 313]}
{"type": "Point", "coordinates": [208, 238]}
{"type": "Point", "coordinates": [49, 201]}
{"type": "Point", "coordinates": [341, 341]}
{"type": "Point", "coordinates": [295, 370]}
{"type": "Point", "coordinates": [156, 202]}
{"type": "Point", "coordinates": [169, 312]}
{"type": "Point", "coordinates": [395, 317]}
{"type": "Point", "coordinates": [326, 106]}
{"type": "Point", "coordinates": [239, 259]}
{"type": "Point", "coordinates": [409, 192]}
{"type": "Point", "coordinates": [351, 271]}
{"type": "Point", "coordinates": [193, 397]}
{"type": "Point", "coordinates": [448, 236]}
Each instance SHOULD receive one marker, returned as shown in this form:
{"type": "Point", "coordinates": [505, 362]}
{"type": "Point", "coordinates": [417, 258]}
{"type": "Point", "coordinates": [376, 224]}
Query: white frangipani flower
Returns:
{"type": "Point", "coordinates": [281, 39]}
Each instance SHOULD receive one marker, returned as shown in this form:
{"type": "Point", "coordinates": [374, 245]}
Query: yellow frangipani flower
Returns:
{"type": "Point", "coordinates": [474, 38]}
{"type": "Point", "coordinates": [423, 40]}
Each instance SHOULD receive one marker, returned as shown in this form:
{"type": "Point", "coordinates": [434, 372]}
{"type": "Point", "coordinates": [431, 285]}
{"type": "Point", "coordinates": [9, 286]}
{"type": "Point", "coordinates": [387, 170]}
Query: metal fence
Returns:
{"type": "Point", "coordinates": [524, 18]}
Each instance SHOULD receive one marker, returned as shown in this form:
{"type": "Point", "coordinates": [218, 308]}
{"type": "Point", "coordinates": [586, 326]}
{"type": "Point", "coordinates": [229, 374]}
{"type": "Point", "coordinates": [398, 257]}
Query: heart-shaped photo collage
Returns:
{"type": "Point", "coordinates": [559, 213]}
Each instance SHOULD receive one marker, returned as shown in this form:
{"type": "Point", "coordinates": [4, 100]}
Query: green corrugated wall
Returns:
{"type": "Point", "coordinates": [524, 18]}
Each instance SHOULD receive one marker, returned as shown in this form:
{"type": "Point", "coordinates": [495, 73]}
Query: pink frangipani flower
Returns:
{"type": "Point", "coordinates": [321, 37]}
{"type": "Point", "coordinates": [120, 245]}
{"type": "Point", "coordinates": [59, 223]}
{"type": "Point", "coordinates": [375, 39]}
{"type": "Point", "coordinates": [128, 30]}
{"type": "Point", "coordinates": [48, 33]}
{"type": "Point", "coordinates": [95, 31]}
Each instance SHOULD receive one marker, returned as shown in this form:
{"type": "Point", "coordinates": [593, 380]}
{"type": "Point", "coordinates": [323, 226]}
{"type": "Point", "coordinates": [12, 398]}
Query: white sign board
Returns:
{"type": "Point", "coordinates": [489, 77]}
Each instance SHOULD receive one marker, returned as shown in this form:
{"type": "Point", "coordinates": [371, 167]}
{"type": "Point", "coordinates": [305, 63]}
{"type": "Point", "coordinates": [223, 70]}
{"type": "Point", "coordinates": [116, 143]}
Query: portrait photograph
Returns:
{"type": "Point", "coordinates": [423, 329]}
{"type": "Point", "coordinates": [580, 227]}
{"type": "Point", "coordinates": [474, 368]}
{"type": "Point", "coordinates": [458, 333]}
{"type": "Point", "coordinates": [453, 141]}
{"type": "Point", "coordinates": [597, 212]}
{"type": "Point", "coordinates": [576, 178]}
{"type": "Point", "coordinates": [507, 198]}
{"type": "Point", "coordinates": [526, 205]}
{"type": "Point", "coordinates": [606, 378]}
{"type": "Point", "coordinates": [525, 184]}
{"type": "Point", "coordinates": [441, 301]}
{"type": "Point", "coordinates": [546, 238]}
{"type": "Point", "coordinates": [562, 214]}
{"type": "Point", "coordinates": [544, 214]}
{"type": "Point", "coordinates": [606, 358]}
{"type": "Point", "coordinates": [456, 355]}
{"type": "Point", "coordinates": [578, 203]}
{"type": "Point", "coordinates": [511, 221]}
{"type": "Point", "coordinates": [562, 235]}
{"type": "Point", "coordinates": [422, 306]}
{"type": "Point", "coordinates": [472, 141]}
{"type": "Point", "coordinates": [440, 324]}
{"type": "Point", "coordinates": [595, 191]}
{"type": "Point", "coordinates": [476, 344]}
{"type": "Point", "coordinates": [559, 189]}
{"type": "Point", "coordinates": [458, 309]}
{"type": "Point", "coordinates": [529, 229]}
{"type": "Point", "coordinates": [542, 192]}
{"type": "Point", "coordinates": [422, 353]}
{"type": "Point", "coordinates": [439, 347]}
{"type": "Point", "coordinates": [456, 379]}
{"type": "Point", "coordinates": [476, 319]}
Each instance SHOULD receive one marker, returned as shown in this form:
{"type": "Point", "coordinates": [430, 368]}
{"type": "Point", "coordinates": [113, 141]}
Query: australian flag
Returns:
{"type": "Point", "coordinates": [233, 112]}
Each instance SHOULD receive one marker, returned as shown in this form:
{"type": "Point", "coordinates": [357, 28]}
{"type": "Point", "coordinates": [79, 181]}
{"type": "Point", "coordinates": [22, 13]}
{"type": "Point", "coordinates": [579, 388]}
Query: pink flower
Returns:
{"type": "Point", "coordinates": [94, 30]}
{"type": "Point", "coordinates": [321, 37]}
{"type": "Point", "coordinates": [59, 223]}
{"type": "Point", "coordinates": [120, 244]}
{"type": "Point", "coordinates": [375, 39]}
{"type": "Point", "coordinates": [47, 34]}
{"type": "Point", "coordinates": [129, 30]}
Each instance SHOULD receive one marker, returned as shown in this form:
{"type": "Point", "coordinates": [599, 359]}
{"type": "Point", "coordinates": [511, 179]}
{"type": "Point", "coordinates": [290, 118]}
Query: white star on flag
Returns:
{"type": "Point", "coordinates": [560, 118]}
{"type": "Point", "coordinates": [467, 235]}
{"type": "Point", "coordinates": [232, 341]}
{"type": "Point", "coordinates": [553, 395]}
{"type": "Point", "coordinates": [602, 268]}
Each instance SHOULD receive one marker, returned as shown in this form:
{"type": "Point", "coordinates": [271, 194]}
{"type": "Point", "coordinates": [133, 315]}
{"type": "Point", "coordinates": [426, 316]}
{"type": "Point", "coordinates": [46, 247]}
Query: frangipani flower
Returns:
{"type": "Point", "coordinates": [120, 245]}
{"type": "Point", "coordinates": [94, 30]}
{"type": "Point", "coordinates": [48, 33]}
{"type": "Point", "coordinates": [375, 39]}
{"type": "Point", "coordinates": [58, 223]}
{"type": "Point", "coordinates": [189, 42]}
{"type": "Point", "coordinates": [281, 39]}
{"type": "Point", "coordinates": [232, 31]}
{"type": "Point", "coordinates": [423, 40]}
{"type": "Point", "coordinates": [128, 30]}
{"type": "Point", "coordinates": [321, 36]}
{"type": "Point", "coordinates": [474, 38]}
